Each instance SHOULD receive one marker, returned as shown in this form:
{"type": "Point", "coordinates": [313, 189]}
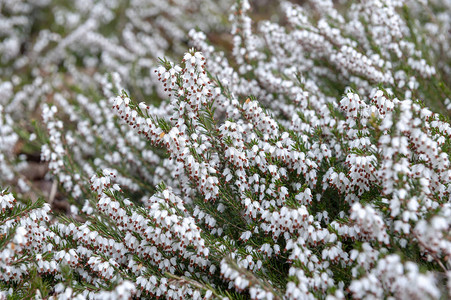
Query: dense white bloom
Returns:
{"type": "Point", "coordinates": [302, 154]}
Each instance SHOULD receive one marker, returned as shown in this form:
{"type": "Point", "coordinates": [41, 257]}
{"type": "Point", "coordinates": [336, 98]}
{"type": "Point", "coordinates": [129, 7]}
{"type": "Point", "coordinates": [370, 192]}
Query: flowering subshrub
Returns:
{"type": "Point", "coordinates": [302, 156]}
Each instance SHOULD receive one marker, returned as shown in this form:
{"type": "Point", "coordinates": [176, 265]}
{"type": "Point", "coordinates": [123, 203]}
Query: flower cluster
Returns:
{"type": "Point", "coordinates": [299, 155]}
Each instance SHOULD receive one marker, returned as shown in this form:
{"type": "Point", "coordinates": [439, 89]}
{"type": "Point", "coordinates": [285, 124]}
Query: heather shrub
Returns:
{"type": "Point", "coordinates": [263, 150]}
